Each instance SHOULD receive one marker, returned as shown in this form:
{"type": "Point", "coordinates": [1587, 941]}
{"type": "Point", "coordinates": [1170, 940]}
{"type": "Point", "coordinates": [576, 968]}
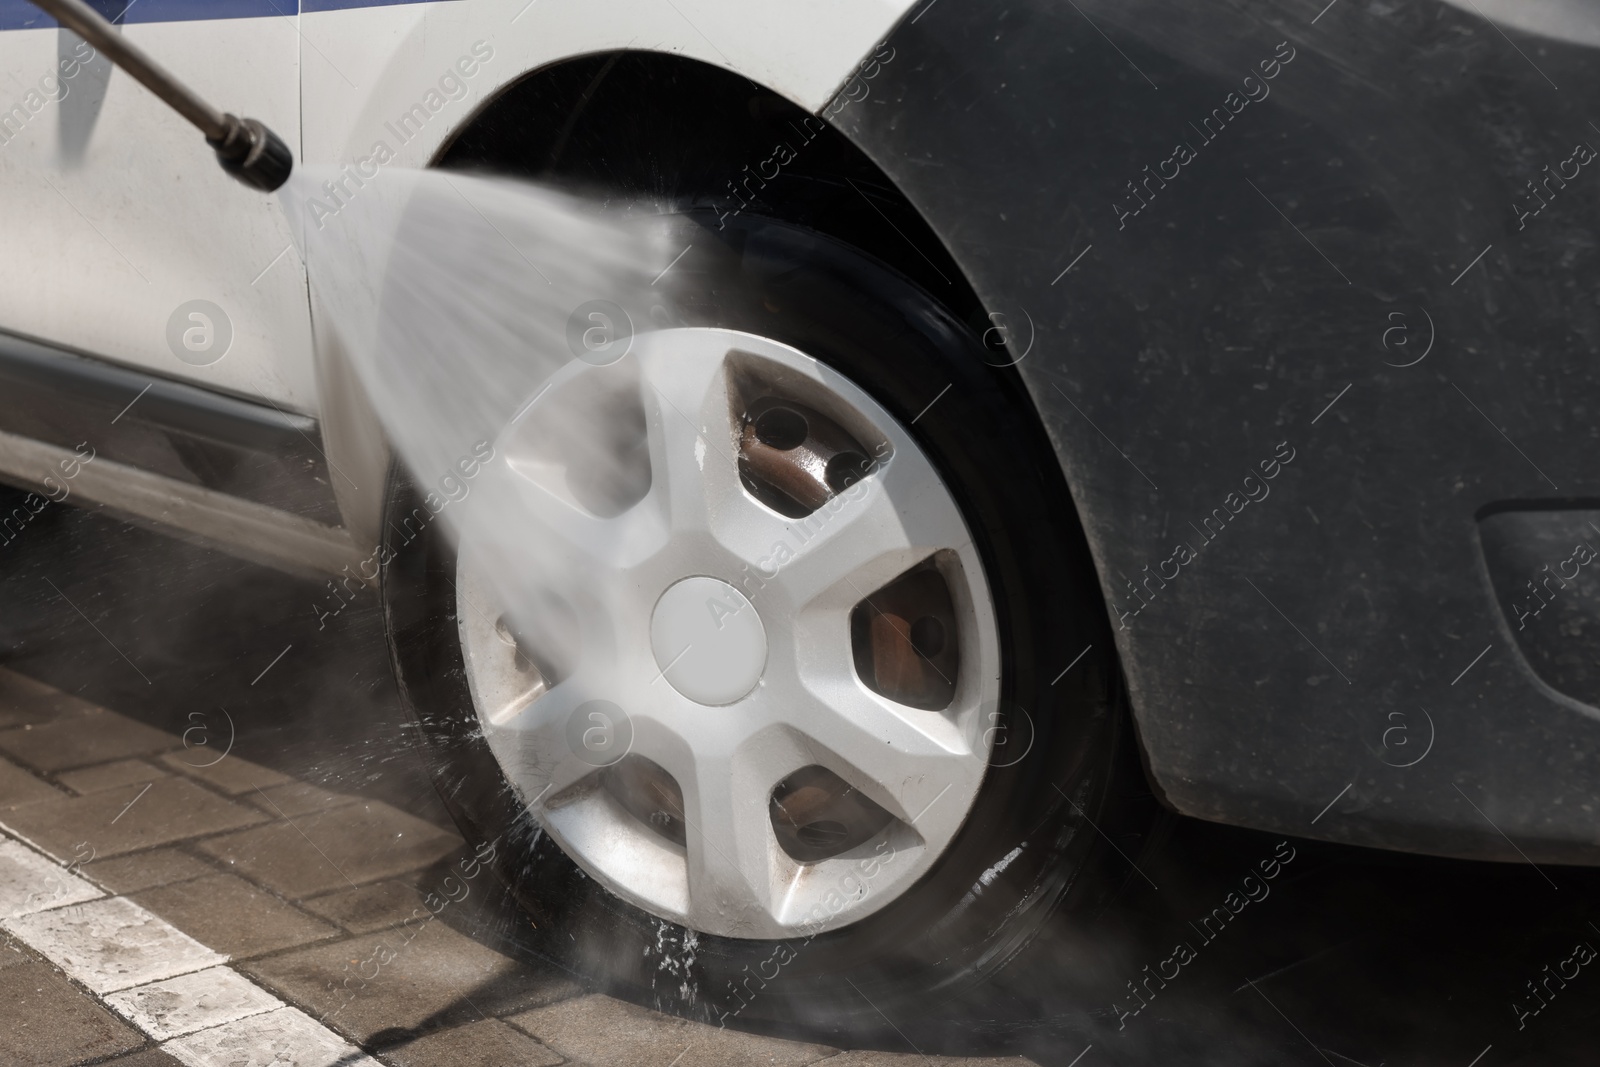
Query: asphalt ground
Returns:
{"type": "Point", "coordinates": [212, 817]}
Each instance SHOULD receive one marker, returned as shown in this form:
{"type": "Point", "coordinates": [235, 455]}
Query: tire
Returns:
{"type": "Point", "coordinates": [1026, 848]}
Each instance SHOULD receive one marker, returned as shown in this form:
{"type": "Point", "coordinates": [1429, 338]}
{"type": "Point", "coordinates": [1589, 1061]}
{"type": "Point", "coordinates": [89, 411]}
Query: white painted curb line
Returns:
{"type": "Point", "coordinates": [160, 979]}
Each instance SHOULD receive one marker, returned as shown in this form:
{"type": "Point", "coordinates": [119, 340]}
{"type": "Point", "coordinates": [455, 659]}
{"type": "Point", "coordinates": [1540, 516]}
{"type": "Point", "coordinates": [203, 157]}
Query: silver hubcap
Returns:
{"type": "Point", "coordinates": [728, 636]}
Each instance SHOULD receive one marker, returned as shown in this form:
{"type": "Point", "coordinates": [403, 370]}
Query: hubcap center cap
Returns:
{"type": "Point", "coordinates": [708, 640]}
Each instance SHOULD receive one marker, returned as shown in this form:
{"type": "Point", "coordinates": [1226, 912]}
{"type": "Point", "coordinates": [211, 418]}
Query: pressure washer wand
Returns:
{"type": "Point", "coordinates": [245, 148]}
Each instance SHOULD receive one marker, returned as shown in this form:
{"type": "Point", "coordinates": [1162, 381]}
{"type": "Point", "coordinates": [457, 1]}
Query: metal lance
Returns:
{"type": "Point", "coordinates": [245, 148]}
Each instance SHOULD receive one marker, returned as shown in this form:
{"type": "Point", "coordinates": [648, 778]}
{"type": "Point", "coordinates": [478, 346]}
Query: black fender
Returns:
{"type": "Point", "coordinates": [1306, 296]}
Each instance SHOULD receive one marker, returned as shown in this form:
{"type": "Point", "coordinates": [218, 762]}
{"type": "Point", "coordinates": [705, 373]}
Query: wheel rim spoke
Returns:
{"type": "Point", "coordinates": [892, 524]}
{"type": "Point", "coordinates": [904, 760]}
{"type": "Point", "coordinates": [690, 435]}
{"type": "Point", "coordinates": [730, 848]}
{"type": "Point", "coordinates": [535, 749]}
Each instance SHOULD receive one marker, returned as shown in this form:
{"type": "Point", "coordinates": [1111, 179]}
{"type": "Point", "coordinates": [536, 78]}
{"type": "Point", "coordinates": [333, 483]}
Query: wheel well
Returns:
{"type": "Point", "coordinates": [675, 133]}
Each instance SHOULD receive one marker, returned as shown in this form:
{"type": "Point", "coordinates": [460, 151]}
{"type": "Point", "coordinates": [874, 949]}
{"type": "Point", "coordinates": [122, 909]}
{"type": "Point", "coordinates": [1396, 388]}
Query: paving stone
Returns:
{"type": "Point", "coordinates": [93, 736]}
{"type": "Point", "coordinates": [230, 774]}
{"type": "Point", "coordinates": [371, 907]}
{"type": "Point", "coordinates": [278, 1038]}
{"type": "Point", "coordinates": [191, 1002]}
{"type": "Point", "coordinates": [233, 916]}
{"type": "Point", "coordinates": [896, 1059]}
{"type": "Point", "coordinates": [404, 981]}
{"type": "Point", "coordinates": [367, 841]}
{"type": "Point", "coordinates": [109, 776]}
{"type": "Point", "coordinates": [297, 798]}
{"type": "Point", "coordinates": [153, 1057]}
{"type": "Point", "coordinates": [24, 700]}
{"type": "Point", "coordinates": [145, 870]}
{"type": "Point", "coordinates": [30, 883]}
{"type": "Point", "coordinates": [111, 944]}
{"type": "Point", "coordinates": [603, 1032]}
{"type": "Point", "coordinates": [486, 1043]}
{"type": "Point", "coordinates": [45, 1022]}
{"type": "Point", "coordinates": [19, 787]}
{"type": "Point", "coordinates": [170, 809]}
{"type": "Point", "coordinates": [11, 954]}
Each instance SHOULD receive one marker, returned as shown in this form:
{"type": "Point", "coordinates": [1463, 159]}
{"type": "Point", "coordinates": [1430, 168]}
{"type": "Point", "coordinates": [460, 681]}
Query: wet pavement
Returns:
{"type": "Point", "coordinates": [219, 847]}
{"type": "Point", "coordinates": [206, 908]}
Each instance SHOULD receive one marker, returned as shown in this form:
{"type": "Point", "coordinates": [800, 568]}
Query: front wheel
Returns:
{"type": "Point", "coordinates": [786, 695]}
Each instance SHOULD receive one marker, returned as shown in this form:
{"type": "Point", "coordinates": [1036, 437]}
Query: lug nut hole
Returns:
{"type": "Point", "coordinates": [816, 814]}
{"type": "Point", "coordinates": [846, 469]}
{"type": "Point", "coordinates": [824, 833]}
{"type": "Point", "coordinates": [927, 636]}
{"type": "Point", "coordinates": [781, 428]}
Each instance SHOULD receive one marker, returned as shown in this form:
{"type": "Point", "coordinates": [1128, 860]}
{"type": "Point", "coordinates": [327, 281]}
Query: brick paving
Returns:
{"type": "Point", "coordinates": [129, 818]}
{"type": "Point", "coordinates": [215, 914]}
{"type": "Point", "coordinates": [233, 916]}
{"type": "Point", "coordinates": [105, 776]}
{"type": "Point", "coordinates": [146, 870]}
{"type": "Point", "coordinates": [331, 850]}
{"type": "Point", "coordinates": [603, 1032]}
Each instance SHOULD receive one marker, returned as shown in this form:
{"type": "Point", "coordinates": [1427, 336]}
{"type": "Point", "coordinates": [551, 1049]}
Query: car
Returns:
{"type": "Point", "coordinates": [1058, 415]}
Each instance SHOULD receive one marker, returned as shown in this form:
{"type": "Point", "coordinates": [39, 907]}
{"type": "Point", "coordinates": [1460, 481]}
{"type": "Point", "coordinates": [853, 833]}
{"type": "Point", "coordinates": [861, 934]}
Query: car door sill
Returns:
{"type": "Point", "coordinates": [242, 528]}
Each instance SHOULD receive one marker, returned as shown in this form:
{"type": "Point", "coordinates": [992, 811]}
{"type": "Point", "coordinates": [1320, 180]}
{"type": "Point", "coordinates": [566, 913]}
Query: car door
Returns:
{"type": "Point", "coordinates": [122, 238]}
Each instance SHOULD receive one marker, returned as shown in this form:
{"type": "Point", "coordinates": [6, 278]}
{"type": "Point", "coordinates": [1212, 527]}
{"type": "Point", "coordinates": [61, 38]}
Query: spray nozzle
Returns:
{"type": "Point", "coordinates": [253, 154]}
{"type": "Point", "coordinates": [245, 148]}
